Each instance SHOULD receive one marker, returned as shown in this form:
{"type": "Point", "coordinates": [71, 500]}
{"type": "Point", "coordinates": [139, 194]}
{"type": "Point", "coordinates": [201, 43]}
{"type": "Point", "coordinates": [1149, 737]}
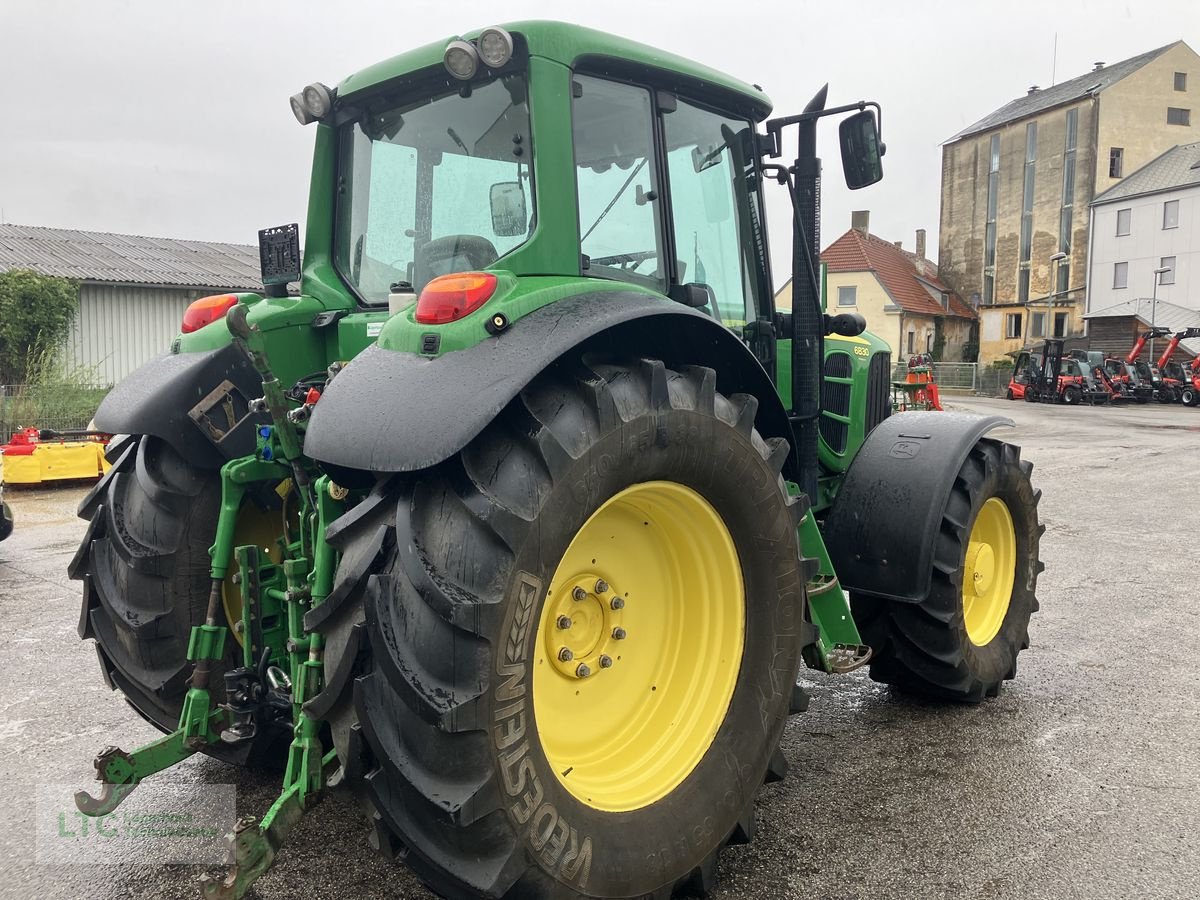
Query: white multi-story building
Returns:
{"type": "Point", "coordinates": [1144, 258]}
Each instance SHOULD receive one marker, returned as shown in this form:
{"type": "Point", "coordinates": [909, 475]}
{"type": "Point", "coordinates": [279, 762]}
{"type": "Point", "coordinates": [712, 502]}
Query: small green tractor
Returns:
{"type": "Point", "coordinates": [520, 519]}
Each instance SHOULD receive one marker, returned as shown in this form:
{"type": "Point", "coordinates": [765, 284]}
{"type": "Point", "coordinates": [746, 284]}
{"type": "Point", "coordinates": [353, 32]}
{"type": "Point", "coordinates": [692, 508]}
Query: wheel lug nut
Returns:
{"type": "Point", "coordinates": [564, 622]}
{"type": "Point", "coordinates": [605, 660]}
{"type": "Point", "coordinates": [618, 634]}
{"type": "Point", "coordinates": [579, 594]}
{"type": "Point", "coordinates": [565, 654]}
{"type": "Point", "coordinates": [601, 586]}
{"type": "Point", "coordinates": [583, 670]}
{"type": "Point", "coordinates": [617, 603]}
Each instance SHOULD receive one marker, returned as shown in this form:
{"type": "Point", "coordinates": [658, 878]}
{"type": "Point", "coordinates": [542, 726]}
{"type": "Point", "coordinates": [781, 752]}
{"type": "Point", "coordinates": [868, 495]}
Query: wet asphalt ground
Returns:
{"type": "Point", "coordinates": [1082, 780]}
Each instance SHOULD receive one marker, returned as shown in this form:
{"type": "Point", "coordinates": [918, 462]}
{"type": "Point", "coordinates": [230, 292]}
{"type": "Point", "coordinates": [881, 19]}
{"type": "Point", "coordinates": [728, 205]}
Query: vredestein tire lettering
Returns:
{"type": "Point", "coordinates": [556, 842]}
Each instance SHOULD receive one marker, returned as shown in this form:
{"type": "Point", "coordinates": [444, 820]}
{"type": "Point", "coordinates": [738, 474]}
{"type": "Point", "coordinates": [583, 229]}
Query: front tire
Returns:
{"type": "Point", "coordinates": [475, 742]}
{"type": "Point", "coordinates": [961, 642]}
{"type": "Point", "coordinates": [1072, 395]}
{"type": "Point", "coordinates": [1188, 396]}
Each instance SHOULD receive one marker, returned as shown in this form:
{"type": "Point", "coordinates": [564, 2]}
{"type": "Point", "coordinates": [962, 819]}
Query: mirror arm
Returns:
{"type": "Point", "coordinates": [774, 143]}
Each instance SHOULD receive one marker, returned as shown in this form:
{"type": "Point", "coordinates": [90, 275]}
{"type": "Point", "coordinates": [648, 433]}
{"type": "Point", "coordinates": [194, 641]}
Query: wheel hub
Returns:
{"type": "Point", "coordinates": [585, 625]}
{"type": "Point", "coordinates": [989, 571]}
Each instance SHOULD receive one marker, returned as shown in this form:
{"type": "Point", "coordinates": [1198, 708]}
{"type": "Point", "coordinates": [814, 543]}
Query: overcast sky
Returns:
{"type": "Point", "coordinates": [171, 119]}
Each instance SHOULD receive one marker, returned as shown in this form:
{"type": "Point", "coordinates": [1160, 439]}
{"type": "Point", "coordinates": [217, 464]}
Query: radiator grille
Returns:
{"type": "Point", "coordinates": [879, 390]}
{"type": "Point", "coordinates": [835, 398]}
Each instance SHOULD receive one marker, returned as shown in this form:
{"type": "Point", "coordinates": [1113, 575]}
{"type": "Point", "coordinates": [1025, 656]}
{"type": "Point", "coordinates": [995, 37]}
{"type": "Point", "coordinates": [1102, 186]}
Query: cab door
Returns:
{"type": "Point", "coordinates": [716, 218]}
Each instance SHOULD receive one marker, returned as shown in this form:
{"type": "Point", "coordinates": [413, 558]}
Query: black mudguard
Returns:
{"type": "Point", "coordinates": [399, 412]}
{"type": "Point", "coordinates": [166, 398]}
{"type": "Point", "coordinates": [887, 513]}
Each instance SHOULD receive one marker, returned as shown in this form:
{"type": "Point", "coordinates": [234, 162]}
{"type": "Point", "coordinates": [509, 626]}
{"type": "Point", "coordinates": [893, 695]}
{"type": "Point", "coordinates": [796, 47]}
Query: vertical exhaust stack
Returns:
{"type": "Point", "coordinates": [808, 324]}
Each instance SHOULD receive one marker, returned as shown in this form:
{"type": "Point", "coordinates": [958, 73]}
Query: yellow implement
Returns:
{"type": "Point", "coordinates": [30, 459]}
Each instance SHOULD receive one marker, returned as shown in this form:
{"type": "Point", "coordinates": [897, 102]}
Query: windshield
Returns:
{"type": "Point", "coordinates": [433, 186]}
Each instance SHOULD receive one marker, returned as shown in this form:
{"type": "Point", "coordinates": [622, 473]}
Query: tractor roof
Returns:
{"type": "Point", "coordinates": [571, 45]}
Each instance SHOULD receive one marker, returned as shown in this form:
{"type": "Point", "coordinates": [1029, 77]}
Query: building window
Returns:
{"type": "Point", "coordinates": [912, 342]}
{"type": "Point", "coordinates": [1168, 263]}
{"type": "Point", "coordinates": [928, 342]}
{"type": "Point", "coordinates": [1037, 324]}
{"type": "Point", "coordinates": [1176, 116]}
{"type": "Point", "coordinates": [989, 231]}
{"type": "Point", "coordinates": [1067, 209]}
{"type": "Point", "coordinates": [1027, 211]}
{"type": "Point", "coordinates": [1123, 218]}
{"type": "Point", "coordinates": [1060, 324]}
{"type": "Point", "coordinates": [1116, 162]}
{"type": "Point", "coordinates": [847, 296]}
{"type": "Point", "coordinates": [1120, 275]}
{"type": "Point", "coordinates": [1181, 81]}
{"type": "Point", "coordinates": [1171, 214]}
{"type": "Point", "coordinates": [1012, 325]}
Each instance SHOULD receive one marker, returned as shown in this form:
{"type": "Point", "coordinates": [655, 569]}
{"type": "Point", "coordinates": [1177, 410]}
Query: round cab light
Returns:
{"type": "Point", "coordinates": [495, 47]}
{"type": "Point", "coordinates": [303, 116]}
{"type": "Point", "coordinates": [461, 60]}
{"type": "Point", "coordinates": [318, 100]}
{"type": "Point", "coordinates": [206, 310]}
{"type": "Point", "coordinates": [450, 297]}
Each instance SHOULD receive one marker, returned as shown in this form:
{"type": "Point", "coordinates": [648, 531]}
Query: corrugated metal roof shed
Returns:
{"type": "Point", "coordinates": [1064, 92]}
{"type": "Point", "coordinates": [129, 259]}
{"type": "Point", "coordinates": [1178, 167]}
{"type": "Point", "coordinates": [1166, 315]}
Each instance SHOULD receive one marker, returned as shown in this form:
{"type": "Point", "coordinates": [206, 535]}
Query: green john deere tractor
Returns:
{"type": "Point", "coordinates": [520, 519]}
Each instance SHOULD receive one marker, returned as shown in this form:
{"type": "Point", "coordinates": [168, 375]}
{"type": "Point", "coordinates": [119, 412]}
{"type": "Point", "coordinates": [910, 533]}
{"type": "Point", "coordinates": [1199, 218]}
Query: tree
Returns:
{"type": "Point", "coordinates": [939, 339]}
{"type": "Point", "coordinates": [970, 351]}
{"type": "Point", "coordinates": [36, 312]}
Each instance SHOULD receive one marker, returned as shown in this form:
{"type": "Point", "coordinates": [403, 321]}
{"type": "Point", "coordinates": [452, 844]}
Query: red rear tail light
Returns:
{"type": "Point", "coordinates": [450, 297]}
{"type": "Point", "coordinates": [206, 310]}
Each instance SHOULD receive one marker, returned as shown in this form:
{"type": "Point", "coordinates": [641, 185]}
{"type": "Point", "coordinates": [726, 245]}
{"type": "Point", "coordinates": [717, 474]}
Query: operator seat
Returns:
{"type": "Point", "coordinates": [452, 253]}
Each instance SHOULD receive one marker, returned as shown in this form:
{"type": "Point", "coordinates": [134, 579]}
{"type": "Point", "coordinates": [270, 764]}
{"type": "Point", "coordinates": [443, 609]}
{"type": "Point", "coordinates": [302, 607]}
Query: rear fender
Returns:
{"type": "Point", "coordinates": [389, 411]}
{"type": "Point", "coordinates": [883, 524]}
{"type": "Point", "coordinates": [196, 402]}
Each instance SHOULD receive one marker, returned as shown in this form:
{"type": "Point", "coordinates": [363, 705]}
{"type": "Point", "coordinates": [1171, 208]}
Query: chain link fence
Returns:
{"type": "Point", "coordinates": [966, 378]}
{"type": "Point", "coordinates": [58, 407]}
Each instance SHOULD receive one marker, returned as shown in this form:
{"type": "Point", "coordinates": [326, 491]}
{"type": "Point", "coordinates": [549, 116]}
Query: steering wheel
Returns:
{"type": "Point", "coordinates": [625, 262]}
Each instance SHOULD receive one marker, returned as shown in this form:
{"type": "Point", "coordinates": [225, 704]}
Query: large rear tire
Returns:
{"type": "Point", "coordinates": [144, 565]}
{"type": "Point", "coordinates": [961, 642]}
{"type": "Point", "coordinates": [641, 507]}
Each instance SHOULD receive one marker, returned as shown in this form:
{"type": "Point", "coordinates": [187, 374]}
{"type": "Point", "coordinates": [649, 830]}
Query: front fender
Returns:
{"type": "Point", "coordinates": [389, 411]}
{"type": "Point", "coordinates": [158, 397]}
{"type": "Point", "coordinates": [882, 527]}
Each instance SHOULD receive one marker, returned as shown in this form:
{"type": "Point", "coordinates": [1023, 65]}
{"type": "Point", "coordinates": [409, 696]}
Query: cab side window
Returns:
{"type": "Point", "coordinates": [707, 165]}
{"type": "Point", "coordinates": [619, 205]}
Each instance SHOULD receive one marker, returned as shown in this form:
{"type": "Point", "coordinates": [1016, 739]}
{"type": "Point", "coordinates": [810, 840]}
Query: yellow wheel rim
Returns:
{"type": "Point", "coordinates": [260, 527]}
{"type": "Point", "coordinates": [989, 571]}
{"type": "Point", "coordinates": [648, 600]}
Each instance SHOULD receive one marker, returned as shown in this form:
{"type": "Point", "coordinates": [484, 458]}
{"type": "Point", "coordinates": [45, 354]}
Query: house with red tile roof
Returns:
{"type": "Point", "coordinates": [898, 292]}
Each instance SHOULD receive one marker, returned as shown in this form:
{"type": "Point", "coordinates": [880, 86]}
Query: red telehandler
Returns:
{"type": "Point", "coordinates": [1173, 380]}
{"type": "Point", "coordinates": [1142, 369]}
{"type": "Point", "coordinates": [1130, 377]}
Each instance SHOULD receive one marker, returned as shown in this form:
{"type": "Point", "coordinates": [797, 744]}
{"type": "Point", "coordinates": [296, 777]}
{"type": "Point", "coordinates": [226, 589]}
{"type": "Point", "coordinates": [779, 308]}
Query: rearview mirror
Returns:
{"type": "Point", "coordinates": [862, 151]}
{"type": "Point", "coordinates": [509, 218]}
